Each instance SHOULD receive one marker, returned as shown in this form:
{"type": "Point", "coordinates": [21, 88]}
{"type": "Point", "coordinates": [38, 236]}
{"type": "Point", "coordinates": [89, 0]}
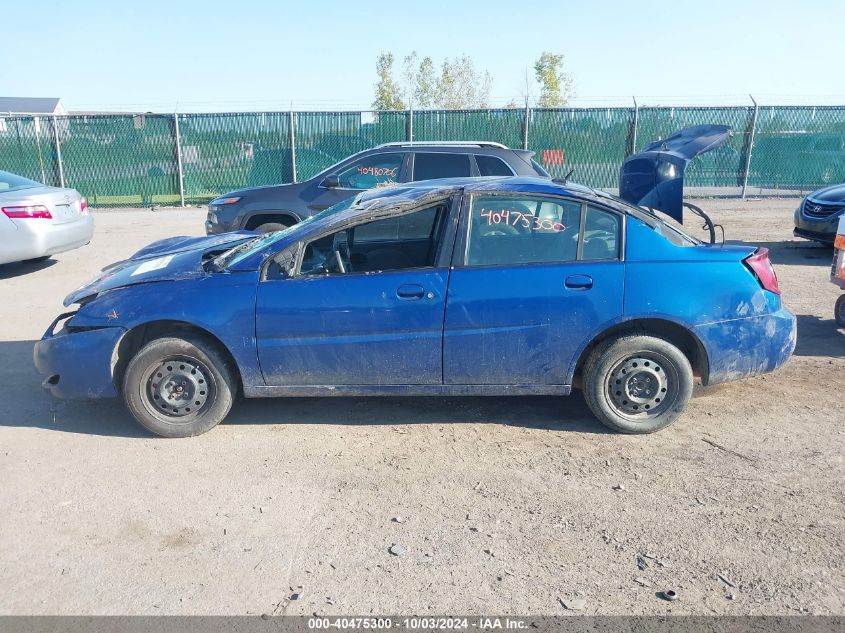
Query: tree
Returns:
{"type": "Point", "coordinates": [461, 85]}
{"type": "Point", "coordinates": [419, 83]}
{"type": "Point", "coordinates": [387, 91]}
{"type": "Point", "coordinates": [425, 90]}
{"type": "Point", "coordinates": [555, 84]}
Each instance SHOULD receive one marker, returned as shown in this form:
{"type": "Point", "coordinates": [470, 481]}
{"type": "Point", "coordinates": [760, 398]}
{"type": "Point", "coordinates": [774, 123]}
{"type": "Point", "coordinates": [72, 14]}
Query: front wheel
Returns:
{"type": "Point", "coordinates": [839, 311]}
{"type": "Point", "coordinates": [270, 227]}
{"type": "Point", "coordinates": [637, 383]}
{"type": "Point", "coordinates": [179, 387]}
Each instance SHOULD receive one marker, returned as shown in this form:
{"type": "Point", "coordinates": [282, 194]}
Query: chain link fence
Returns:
{"type": "Point", "coordinates": [172, 159]}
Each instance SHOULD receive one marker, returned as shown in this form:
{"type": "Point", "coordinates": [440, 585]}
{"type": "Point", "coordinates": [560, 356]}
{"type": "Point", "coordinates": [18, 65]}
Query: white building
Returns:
{"type": "Point", "coordinates": [11, 106]}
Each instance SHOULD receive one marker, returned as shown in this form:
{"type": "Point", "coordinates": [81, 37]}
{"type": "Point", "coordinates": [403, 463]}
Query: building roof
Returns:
{"type": "Point", "coordinates": [31, 105]}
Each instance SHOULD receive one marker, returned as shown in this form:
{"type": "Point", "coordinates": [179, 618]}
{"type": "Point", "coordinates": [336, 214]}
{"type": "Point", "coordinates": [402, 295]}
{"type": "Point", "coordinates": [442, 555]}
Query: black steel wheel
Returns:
{"type": "Point", "coordinates": [637, 383]}
{"type": "Point", "coordinates": [179, 387]}
{"type": "Point", "coordinates": [642, 385]}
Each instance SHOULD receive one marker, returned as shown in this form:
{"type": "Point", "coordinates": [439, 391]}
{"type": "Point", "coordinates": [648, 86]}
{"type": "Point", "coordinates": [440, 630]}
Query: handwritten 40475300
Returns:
{"type": "Point", "coordinates": [520, 219]}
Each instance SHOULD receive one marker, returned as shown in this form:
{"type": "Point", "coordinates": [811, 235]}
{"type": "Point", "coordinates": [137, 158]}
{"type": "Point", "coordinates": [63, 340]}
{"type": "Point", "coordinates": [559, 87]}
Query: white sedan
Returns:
{"type": "Point", "coordinates": [37, 221]}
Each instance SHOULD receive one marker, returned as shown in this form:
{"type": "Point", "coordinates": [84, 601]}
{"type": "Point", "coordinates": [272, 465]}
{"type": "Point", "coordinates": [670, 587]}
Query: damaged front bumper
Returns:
{"type": "Point", "coordinates": [748, 346]}
{"type": "Point", "coordinates": [77, 363]}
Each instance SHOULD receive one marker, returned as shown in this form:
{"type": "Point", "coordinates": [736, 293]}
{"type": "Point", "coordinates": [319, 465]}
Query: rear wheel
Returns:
{"type": "Point", "coordinates": [179, 387]}
{"type": "Point", "coordinates": [638, 383]}
{"type": "Point", "coordinates": [839, 311]}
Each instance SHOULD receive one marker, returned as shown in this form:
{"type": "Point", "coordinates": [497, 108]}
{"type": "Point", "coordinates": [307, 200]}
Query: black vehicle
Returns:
{"type": "Point", "coordinates": [275, 207]}
{"type": "Point", "coordinates": [817, 217]}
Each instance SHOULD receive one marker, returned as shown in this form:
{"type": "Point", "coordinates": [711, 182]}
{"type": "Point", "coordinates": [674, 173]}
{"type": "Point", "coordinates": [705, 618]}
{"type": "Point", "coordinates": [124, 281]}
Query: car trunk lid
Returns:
{"type": "Point", "coordinates": [654, 177]}
{"type": "Point", "coordinates": [63, 205]}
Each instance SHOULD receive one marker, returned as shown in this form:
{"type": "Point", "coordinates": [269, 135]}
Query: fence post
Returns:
{"type": "Point", "coordinates": [58, 152]}
{"type": "Point", "coordinates": [409, 128]}
{"type": "Point", "coordinates": [179, 171]}
{"type": "Point", "coordinates": [36, 122]}
{"type": "Point", "coordinates": [525, 126]}
{"type": "Point", "coordinates": [292, 130]}
{"type": "Point", "coordinates": [634, 126]}
{"type": "Point", "coordinates": [750, 147]}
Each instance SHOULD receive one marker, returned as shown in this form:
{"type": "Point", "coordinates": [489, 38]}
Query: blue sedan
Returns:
{"type": "Point", "coordinates": [484, 286]}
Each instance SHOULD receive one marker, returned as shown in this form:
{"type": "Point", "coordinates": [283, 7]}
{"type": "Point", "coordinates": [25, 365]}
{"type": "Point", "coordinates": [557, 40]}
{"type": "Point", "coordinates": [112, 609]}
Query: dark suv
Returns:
{"type": "Point", "coordinates": [274, 207]}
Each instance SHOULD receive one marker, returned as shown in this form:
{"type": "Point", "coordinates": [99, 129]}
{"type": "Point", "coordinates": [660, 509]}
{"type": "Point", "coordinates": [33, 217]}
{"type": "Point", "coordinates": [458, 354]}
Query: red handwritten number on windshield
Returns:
{"type": "Point", "coordinates": [525, 220]}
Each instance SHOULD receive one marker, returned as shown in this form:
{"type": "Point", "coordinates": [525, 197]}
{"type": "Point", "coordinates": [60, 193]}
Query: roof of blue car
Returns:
{"type": "Point", "coordinates": [413, 194]}
{"type": "Point", "coordinates": [420, 192]}
{"type": "Point", "coordinates": [476, 184]}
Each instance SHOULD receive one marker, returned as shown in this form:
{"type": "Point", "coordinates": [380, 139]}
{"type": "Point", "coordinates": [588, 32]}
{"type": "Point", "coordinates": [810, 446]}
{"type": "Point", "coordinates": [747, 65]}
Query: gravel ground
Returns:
{"type": "Point", "coordinates": [506, 505]}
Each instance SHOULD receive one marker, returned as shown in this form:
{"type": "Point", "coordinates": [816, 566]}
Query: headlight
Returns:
{"type": "Point", "coordinates": [212, 217]}
{"type": "Point", "coordinates": [231, 200]}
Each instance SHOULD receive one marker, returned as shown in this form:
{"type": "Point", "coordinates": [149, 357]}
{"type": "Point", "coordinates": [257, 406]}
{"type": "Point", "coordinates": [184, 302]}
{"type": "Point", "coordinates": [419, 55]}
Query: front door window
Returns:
{"type": "Point", "coordinates": [376, 170]}
{"type": "Point", "coordinates": [396, 243]}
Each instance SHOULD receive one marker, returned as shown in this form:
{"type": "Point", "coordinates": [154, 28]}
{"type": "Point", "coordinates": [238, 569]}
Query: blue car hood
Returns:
{"type": "Point", "coordinates": [654, 177]}
{"type": "Point", "coordinates": [835, 193]}
{"type": "Point", "coordinates": [166, 260]}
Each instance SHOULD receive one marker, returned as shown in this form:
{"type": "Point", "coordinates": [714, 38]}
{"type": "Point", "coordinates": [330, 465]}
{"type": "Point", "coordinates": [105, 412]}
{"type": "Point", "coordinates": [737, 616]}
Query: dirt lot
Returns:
{"type": "Point", "coordinates": [507, 504]}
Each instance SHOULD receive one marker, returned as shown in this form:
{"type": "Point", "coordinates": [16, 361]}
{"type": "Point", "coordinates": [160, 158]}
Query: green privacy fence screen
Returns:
{"type": "Point", "coordinates": [169, 159]}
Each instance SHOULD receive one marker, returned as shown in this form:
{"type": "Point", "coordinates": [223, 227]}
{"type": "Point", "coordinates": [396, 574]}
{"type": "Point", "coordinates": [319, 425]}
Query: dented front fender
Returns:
{"type": "Point", "coordinates": [78, 364]}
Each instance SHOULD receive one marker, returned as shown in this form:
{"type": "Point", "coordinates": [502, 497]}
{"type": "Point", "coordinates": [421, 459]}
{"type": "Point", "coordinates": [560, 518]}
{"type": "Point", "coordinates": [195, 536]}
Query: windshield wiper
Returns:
{"type": "Point", "coordinates": [218, 263]}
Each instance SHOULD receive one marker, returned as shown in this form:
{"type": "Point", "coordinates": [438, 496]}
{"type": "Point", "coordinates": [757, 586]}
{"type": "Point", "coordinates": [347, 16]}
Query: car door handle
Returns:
{"type": "Point", "coordinates": [579, 282]}
{"type": "Point", "coordinates": [410, 291]}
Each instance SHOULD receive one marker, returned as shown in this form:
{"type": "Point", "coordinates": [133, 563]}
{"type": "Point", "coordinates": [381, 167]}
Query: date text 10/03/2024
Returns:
{"type": "Point", "coordinates": [419, 623]}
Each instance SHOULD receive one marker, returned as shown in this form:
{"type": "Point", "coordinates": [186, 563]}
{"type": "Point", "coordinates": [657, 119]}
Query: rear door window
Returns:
{"type": "Point", "coordinates": [492, 166]}
{"type": "Point", "coordinates": [441, 165]}
{"type": "Point", "coordinates": [507, 230]}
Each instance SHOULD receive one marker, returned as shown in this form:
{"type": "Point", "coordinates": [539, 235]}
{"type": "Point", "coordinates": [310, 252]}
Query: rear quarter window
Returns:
{"type": "Point", "coordinates": [602, 235]}
{"type": "Point", "coordinates": [492, 166]}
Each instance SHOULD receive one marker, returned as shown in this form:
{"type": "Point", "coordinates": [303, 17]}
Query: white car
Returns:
{"type": "Point", "coordinates": [37, 221]}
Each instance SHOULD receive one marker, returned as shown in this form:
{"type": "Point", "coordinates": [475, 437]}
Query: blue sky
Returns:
{"type": "Point", "coordinates": [258, 54]}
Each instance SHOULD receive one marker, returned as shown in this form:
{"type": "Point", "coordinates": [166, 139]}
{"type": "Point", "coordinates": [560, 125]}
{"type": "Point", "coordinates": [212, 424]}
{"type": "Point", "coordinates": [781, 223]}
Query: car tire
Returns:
{"type": "Point", "coordinates": [637, 383]}
{"type": "Point", "coordinates": [269, 227]}
{"type": "Point", "coordinates": [179, 387]}
{"type": "Point", "coordinates": [839, 311]}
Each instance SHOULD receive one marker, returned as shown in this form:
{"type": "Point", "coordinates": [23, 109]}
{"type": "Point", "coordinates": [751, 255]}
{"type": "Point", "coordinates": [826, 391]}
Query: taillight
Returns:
{"type": "Point", "coordinates": [34, 211]}
{"type": "Point", "coordinates": [761, 266]}
{"type": "Point", "coordinates": [83, 205]}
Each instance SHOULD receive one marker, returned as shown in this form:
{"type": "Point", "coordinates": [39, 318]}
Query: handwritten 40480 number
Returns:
{"type": "Point", "coordinates": [377, 171]}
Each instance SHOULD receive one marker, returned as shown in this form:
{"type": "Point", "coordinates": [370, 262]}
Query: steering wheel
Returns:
{"type": "Point", "coordinates": [497, 230]}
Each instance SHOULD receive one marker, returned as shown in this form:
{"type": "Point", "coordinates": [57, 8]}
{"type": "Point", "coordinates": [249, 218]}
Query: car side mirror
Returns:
{"type": "Point", "coordinates": [330, 182]}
